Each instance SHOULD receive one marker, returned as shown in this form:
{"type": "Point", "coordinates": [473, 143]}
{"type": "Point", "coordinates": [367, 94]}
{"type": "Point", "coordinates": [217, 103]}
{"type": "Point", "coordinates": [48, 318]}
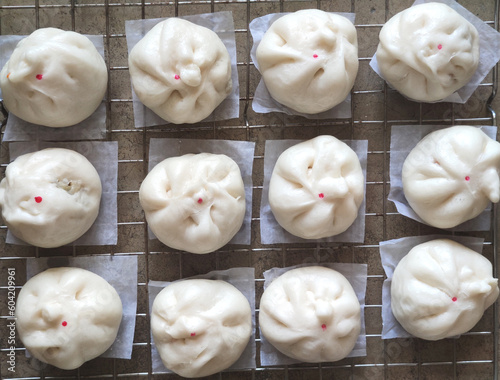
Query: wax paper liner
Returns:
{"type": "Point", "coordinates": [104, 156]}
{"type": "Point", "coordinates": [270, 230]}
{"type": "Point", "coordinates": [243, 280]}
{"type": "Point", "coordinates": [241, 152]}
{"type": "Point", "coordinates": [219, 22]}
{"type": "Point", "coordinates": [489, 53]}
{"type": "Point", "coordinates": [92, 128]}
{"type": "Point", "coordinates": [391, 253]}
{"type": "Point", "coordinates": [263, 102]}
{"type": "Point", "coordinates": [121, 273]}
{"type": "Point", "coordinates": [356, 274]}
{"type": "Point", "coordinates": [403, 140]}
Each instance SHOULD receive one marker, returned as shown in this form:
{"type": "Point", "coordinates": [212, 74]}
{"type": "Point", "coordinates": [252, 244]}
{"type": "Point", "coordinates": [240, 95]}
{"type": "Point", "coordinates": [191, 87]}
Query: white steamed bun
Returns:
{"type": "Point", "coordinates": [309, 60]}
{"type": "Point", "coordinates": [67, 316]}
{"type": "Point", "coordinates": [428, 51]}
{"type": "Point", "coordinates": [441, 288]}
{"type": "Point", "coordinates": [200, 327]}
{"type": "Point", "coordinates": [195, 203]}
{"type": "Point", "coordinates": [181, 71]}
{"type": "Point", "coordinates": [451, 175]}
{"type": "Point", "coordinates": [54, 78]}
{"type": "Point", "coordinates": [51, 197]}
{"type": "Point", "coordinates": [316, 188]}
{"type": "Point", "coordinates": [311, 314]}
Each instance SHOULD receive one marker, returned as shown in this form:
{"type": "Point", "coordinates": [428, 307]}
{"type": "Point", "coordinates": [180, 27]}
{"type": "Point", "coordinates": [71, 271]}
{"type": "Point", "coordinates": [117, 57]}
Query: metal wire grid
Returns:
{"type": "Point", "coordinates": [375, 109]}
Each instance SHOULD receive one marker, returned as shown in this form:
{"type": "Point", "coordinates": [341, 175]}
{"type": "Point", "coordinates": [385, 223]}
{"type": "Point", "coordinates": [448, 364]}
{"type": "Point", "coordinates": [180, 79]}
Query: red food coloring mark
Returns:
{"type": "Point", "coordinates": [323, 327]}
{"type": "Point", "coordinates": [64, 323]}
{"type": "Point", "coordinates": [321, 195]}
{"type": "Point", "coordinates": [38, 199]}
{"type": "Point", "coordinates": [467, 178]}
{"type": "Point", "coordinates": [200, 201]}
{"type": "Point", "coordinates": [39, 76]}
{"type": "Point", "coordinates": [193, 334]}
{"type": "Point", "coordinates": [177, 77]}
{"type": "Point", "coordinates": [454, 299]}
{"type": "Point", "coordinates": [440, 46]}
{"type": "Point", "coordinates": [8, 75]}
{"type": "Point", "coordinates": [315, 56]}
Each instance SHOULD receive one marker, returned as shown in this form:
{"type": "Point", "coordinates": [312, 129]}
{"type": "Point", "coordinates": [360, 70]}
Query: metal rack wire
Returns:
{"type": "Point", "coordinates": [375, 109]}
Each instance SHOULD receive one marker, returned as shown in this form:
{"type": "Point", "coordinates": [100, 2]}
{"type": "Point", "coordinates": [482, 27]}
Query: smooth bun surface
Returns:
{"type": "Point", "coordinates": [451, 175]}
{"type": "Point", "coordinates": [428, 51]}
{"type": "Point", "coordinates": [316, 188]}
{"type": "Point", "coordinates": [309, 60]}
{"type": "Point", "coordinates": [181, 71]}
{"type": "Point", "coordinates": [67, 316]}
{"type": "Point", "coordinates": [311, 314]}
{"type": "Point", "coordinates": [195, 203]}
{"type": "Point", "coordinates": [51, 197]}
{"type": "Point", "coordinates": [200, 327]}
{"type": "Point", "coordinates": [441, 288]}
{"type": "Point", "coordinates": [54, 78]}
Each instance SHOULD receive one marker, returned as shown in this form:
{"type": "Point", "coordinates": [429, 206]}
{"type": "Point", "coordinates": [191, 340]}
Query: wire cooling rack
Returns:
{"type": "Point", "coordinates": [375, 109]}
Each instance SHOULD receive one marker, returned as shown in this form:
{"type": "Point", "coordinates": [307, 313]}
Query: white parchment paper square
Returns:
{"type": "Point", "coordinates": [263, 102]}
{"type": "Point", "coordinates": [219, 22]}
{"type": "Point", "coordinates": [103, 155]}
{"type": "Point", "coordinates": [270, 230]}
{"type": "Point", "coordinates": [92, 128]}
{"type": "Point", "coordinates": [489, 52]}
{"type": "Point", "coordinates": [242, 152]}
{"type": "Point", "coordinates": [242, 279]}
{"type": "Point", "coordinates": [356, 274]}
{"type": "Point", "coordinates": [391, 253]}
{"type": "Point", "coordinates": [403, 140]}
{"type": "Point", "coordinates": [121, 273]}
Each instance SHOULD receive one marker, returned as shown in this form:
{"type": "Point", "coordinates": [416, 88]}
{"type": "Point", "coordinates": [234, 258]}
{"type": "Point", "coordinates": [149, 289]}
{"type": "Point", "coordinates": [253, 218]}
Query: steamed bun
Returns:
{"type": "Point", "coordinates": [51, 197]}
{"type": "Point", "coordinates": [311, 314]}
{"type": "Point", "coordinates": [195, 203]}
{"type": "Point", "coordinates": [54, 78]}
{"type": "Point", "coordinates": [309, 60]}
{"type": "Point", "coordinates": [181, 71]}
{"type": "Point", "coordinates": [200, 327]}
{"type": "Point", "coordinates": [451, 175]}
{"type": "Point", "coordinates": [441, 288]}
{"type": "Point", "coordinates": [67, 316]}
{"type": "Point", "coordinates": [316, 188]}
{"type": "Point", "coordinates": [428, 51]}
